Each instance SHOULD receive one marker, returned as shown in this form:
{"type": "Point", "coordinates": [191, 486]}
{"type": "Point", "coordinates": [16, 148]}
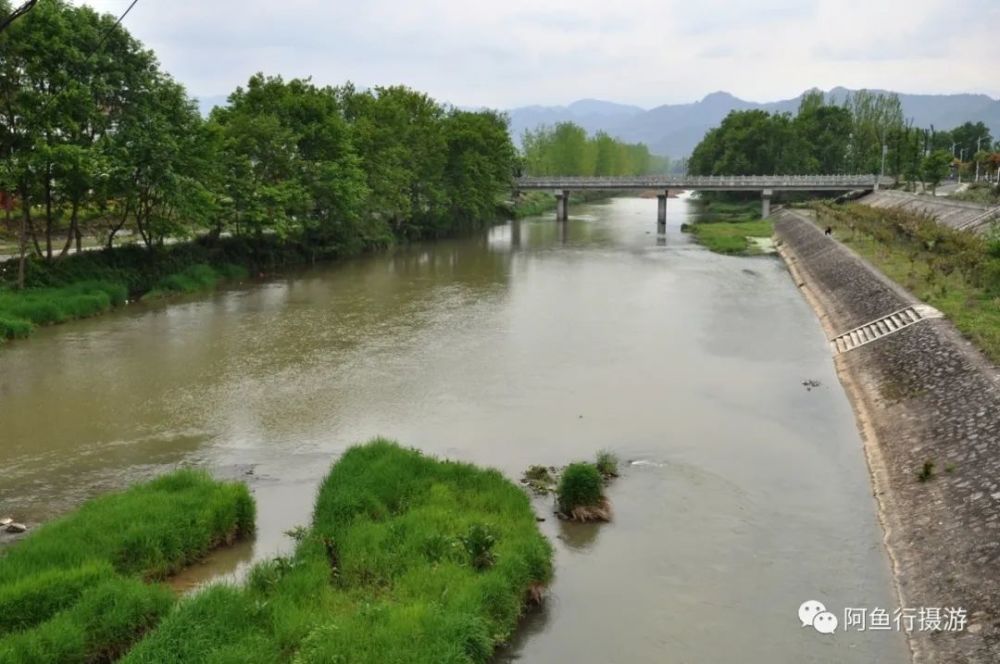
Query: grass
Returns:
{"type": "Point", "coordinates": [731, 237]}
{"type": "Point", "coordinates": [22, 311]}
{"type": "Point", "coordinates": [953, 271]}
{"type": "Point", "coordinates": [196, 278]}
{"type": "Point", "coordinates": [408, 559]}
{"type": "Point", "coordinates": [607, 464]}
{"type": "Point", "coordinates": [581, 493]}
{"type": "Point", "coordinates": [76, 590]}
{"type": "Point", "coordinates": [980, 192]}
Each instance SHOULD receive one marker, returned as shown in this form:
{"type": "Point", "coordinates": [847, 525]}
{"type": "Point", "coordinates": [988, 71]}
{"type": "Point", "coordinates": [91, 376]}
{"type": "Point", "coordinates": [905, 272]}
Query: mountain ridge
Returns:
{"type": "Point", "coordinates": [675, 129]}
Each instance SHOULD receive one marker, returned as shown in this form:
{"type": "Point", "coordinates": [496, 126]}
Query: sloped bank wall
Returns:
{"type": "Point", "coordinates": [920, 394]}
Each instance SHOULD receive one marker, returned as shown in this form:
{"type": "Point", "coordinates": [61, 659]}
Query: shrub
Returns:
{"type": "Point", "coordinates": [580, 486]}
{"type": "Point", "coordinates": [478, 544]}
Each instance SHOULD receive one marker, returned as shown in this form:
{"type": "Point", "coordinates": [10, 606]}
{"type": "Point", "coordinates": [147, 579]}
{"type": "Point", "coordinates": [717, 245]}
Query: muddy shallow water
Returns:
{"type": "Point", "coordinates": [747, 493]}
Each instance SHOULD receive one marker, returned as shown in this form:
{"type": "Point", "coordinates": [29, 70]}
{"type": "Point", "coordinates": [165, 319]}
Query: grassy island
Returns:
{"type": "Point", "coordinates": [83, 588]}
{"type": "Point", "coordinates": [408, 558]}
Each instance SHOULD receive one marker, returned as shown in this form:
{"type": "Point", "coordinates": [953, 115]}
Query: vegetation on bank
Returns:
{"type": "Point", "coordinates": [534, 203]}
{"type": "Point", "coordinates": [113, 144]}
{"type": "Point", "coordinates": [79, 588]}
{"type": "Point", "coordinates": [286, 172]}
{"type": "Point", "coordinates": [728, 226]}
{"type": "Point", "coordinates": [407, 559]}
{"type": "Point", "coordinates": [830, 136]}
{"type": "Point", "coordinates": [93, 282]}
{"type": "Point", "coordinates": [954, 271]}
{"type": "Point", "coordinates": [732, 237]}
{"type": "Point", "coordinates": [983, 193]}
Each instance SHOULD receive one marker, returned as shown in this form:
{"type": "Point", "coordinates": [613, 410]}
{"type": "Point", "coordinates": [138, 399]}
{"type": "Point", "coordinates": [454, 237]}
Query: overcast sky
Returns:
{"type": "Point", "coordinates": [510, 53]}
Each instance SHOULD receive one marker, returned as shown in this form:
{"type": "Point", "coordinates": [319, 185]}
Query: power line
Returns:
{"type": "Point", "coordinates": [107, 33]}
{"type": "Point", "coordinates": [17, 13]}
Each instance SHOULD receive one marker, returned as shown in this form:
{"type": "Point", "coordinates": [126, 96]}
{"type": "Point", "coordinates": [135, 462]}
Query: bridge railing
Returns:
{"type": "Point", "coordinates": [700, 181]}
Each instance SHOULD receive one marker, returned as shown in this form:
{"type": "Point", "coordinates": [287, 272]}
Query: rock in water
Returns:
{"type": "Point", "coordinates": [6, 522]}
{"type": "Point", "coordinates": [16, 528]}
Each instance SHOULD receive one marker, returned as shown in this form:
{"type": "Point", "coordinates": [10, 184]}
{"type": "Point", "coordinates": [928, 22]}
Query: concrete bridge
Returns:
{"type": "Point", "coordinates": [765, 184]}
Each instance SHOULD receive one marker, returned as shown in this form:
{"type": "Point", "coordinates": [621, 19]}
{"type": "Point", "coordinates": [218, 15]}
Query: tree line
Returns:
{"type": "Point", "coordinates": [566, 149]}
{"type": "Point", "coordinates": [828, 138]}
{"type": "Point", "coordinates": [95, 136]}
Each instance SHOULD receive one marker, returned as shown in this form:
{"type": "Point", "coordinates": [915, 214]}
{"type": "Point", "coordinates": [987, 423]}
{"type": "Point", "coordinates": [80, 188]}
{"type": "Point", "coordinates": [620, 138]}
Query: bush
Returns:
{"type": "Point", "coordinates": [580, 486]}
{"type": "Point", "coordinates": [478, 544]}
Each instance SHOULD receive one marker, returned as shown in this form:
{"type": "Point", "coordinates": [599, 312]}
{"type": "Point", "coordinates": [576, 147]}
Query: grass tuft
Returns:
{"type": "Point", "coordinates": [607, 464]}
{"type": "Point", "coordinates": [581, 493]}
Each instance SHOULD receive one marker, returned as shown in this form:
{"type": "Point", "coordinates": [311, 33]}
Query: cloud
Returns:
{"type": "Point", "coordinates": [518, 52]}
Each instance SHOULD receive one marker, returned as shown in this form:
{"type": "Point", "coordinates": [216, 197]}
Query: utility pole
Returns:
{"type": "Point", "coordinates": [961, 160]}
{"type": "Point", "coordinates": [979, 143]}
{"type": "Point", "coordinates": [885, 151]}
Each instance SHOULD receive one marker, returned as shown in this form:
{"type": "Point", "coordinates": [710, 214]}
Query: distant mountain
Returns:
{"type": "Point", "coordinates": [591, 114]}
{"type": "Point", "coordinates": [675, 129]}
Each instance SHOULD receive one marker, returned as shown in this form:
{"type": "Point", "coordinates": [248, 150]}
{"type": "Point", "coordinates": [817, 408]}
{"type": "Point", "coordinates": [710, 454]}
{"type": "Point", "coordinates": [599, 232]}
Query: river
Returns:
{"type": "Point", "coordinates": [744, 492]}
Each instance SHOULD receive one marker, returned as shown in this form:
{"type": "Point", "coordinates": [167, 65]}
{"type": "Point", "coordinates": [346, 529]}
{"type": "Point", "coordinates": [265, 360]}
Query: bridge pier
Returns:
{"type": "Point", "coordinates": [661, 213]}
{"type": "Point", "coordinates": [765, 204]}
{"type": "Point", "coordinates": [562, 206]}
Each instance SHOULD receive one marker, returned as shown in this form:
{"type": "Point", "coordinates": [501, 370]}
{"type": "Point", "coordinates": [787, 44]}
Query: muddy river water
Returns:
{"type": "Point", "coordinates": [744, 492]}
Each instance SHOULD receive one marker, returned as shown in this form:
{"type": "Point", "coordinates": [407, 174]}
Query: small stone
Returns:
{"type": "Point", "coordinates": [540, 519]}
{"type": "Point", "coordinates": [6, 521]}
{"type": "Point", "coordinates": [16, 528]}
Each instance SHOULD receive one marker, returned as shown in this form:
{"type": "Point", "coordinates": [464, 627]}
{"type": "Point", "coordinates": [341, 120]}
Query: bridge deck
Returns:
{"type": "Point", "coordinates": [707, 182]}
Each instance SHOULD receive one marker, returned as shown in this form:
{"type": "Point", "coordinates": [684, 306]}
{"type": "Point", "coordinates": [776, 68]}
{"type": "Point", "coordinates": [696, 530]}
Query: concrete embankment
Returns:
{"type": "Point", "coordinates": [960, 215]}
{"type": "Point", "coordinates": [921, 394]}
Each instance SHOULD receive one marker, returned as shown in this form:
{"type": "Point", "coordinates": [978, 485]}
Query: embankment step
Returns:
{"type": "Point", "coordinates": [881, 327]}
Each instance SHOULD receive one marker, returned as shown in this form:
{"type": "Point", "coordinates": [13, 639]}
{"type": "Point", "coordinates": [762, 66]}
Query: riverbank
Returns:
{"type": "Point", "coordinates": [953, 270]}
{"type": "Point", "coordinates": [926, 404]}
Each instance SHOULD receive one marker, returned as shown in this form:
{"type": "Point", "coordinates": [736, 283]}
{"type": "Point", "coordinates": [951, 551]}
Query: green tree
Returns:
{"type": "Point", "coordinates": [935, 167]}
{"type": "Point", "coordinates": [824, 129]}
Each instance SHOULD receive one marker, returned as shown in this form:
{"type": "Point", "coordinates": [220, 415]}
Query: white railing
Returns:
{"type": "Point", "coordinates": [702, 182]}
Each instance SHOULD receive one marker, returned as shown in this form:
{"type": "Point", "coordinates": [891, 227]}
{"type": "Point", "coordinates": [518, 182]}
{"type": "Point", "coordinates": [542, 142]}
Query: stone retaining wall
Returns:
{"type": "Point", "coordinates": [920, 394]}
